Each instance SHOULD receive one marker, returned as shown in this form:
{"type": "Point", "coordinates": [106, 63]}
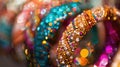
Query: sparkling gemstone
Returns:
{"type": "Point", "coordinates": [81, 33]}
{"type": "Point", "coordinates": [77, 39]}
{"type": "Point", "coordinates": [60, 57]}
{"type": "Point", "coordinates": [67, 53]}
{"type": "Point", "coordinates": [43, 11]}
{"type": "Point", "coordinates": [63, 62]}
{"type": "Point", "coordinates": [71, 57]}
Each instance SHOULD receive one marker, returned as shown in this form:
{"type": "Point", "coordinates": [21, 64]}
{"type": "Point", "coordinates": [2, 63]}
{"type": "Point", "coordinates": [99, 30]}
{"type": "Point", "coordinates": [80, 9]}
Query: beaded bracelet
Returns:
{"type": "Point", "coordinates": [112, 39]}
{"type": "Point", "coordinates": [72, 36]}
{"type": "Point", "coordinates": [74, 32]}
{"type": "Point", "coordinates": [30, 16]}
{"type": "Point", "coordinates": [28, 20]}
{"type": "Point", "coordinates": [49, 26]}
{"type": "Point", "coordinates": [110, 47]}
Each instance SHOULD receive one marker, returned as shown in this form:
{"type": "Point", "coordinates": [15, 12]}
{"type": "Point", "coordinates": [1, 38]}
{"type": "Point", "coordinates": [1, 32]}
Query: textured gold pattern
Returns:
{"type": "Point", "coordinates": [76, 30]}
{"type": "Point", "coordinates": [71, 37]}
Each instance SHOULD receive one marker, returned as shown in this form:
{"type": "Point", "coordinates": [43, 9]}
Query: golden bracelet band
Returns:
{"type": "Point", "coordinates": [76, 30]}
{"type": "Point", "coordinates": [67, 45]}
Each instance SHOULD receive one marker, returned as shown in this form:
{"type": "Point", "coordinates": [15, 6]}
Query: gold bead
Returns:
{"type": "Point", "coordinates": [108, 18]}
{"type": "Point", "coordinates": [37, 19]}
{"type": "Point", "coordinates": [26, 51]}
{"type": "Point", "coordinates": [51, 30]}
{"type": "Point", "coordinates": [50, 24]}
{"type": "Point", "coordinates": [46, 37]}
{"type": "Point", "coordinates": [84, 52]}
{"type": "Point", "coordinates": [44, 42]}
{"type": "Point", "coordinates": [114, 18]}
{"type": "Point", "coordinates": [48, 56]}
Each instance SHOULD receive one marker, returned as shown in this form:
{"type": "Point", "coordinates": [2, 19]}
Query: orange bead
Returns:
{"type": "Point", "coordinates": [83, 61]}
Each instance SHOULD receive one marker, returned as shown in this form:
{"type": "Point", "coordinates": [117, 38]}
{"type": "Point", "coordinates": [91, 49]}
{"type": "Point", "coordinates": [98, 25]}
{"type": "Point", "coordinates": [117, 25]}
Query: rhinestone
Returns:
{"type": "Point", "coordinates": [60, 57]}
{"type": "Point", "coordinates": [71, 57]}
{"type": "Point", "coordinates": [63, 62]}
{"type": "Point", "coordinates": [77, 39]}
{"type": "Point", "coordinates": [67, 53]}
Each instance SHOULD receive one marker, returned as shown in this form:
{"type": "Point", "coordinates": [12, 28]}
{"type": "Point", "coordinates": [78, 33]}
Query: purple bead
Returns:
{"type": "Point", "coordinates": [81, 33]}
{"type": "Point", "coordinates": [73, 45]}
{"type": "Point", "coordinates": [109, 49]}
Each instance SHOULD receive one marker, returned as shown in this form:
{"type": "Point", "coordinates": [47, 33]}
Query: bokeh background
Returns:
{"type": "Point", "coordinates": [12, 41]}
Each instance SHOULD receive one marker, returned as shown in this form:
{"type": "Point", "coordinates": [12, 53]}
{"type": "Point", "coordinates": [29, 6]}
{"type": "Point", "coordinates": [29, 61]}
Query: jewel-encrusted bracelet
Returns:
{"type": "Point", "coordinates": [49, 26]}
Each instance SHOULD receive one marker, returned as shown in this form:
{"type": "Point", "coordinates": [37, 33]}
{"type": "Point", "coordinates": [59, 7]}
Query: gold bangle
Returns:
{"type": "Point", "coordinates": [76, 30]}
{"type": "Point", "coordinates": [67, 45]}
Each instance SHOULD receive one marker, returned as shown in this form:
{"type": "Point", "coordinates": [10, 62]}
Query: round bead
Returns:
{"type": "Point", "coordinates": [84, 52]}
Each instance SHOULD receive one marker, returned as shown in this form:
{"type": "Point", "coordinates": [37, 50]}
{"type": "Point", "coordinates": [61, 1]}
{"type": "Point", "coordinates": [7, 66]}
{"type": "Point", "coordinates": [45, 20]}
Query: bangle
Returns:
{"type": "Point", "coordinates": [29, 9]}
{"type": "Point", "coordinates": [48, 27]}
{"type": "Point", "coordinates": [112, 39]}
{"type": "Point", "coordinates": [75, 32]}
{"type": "Point", "coordinates": [72, 36]}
